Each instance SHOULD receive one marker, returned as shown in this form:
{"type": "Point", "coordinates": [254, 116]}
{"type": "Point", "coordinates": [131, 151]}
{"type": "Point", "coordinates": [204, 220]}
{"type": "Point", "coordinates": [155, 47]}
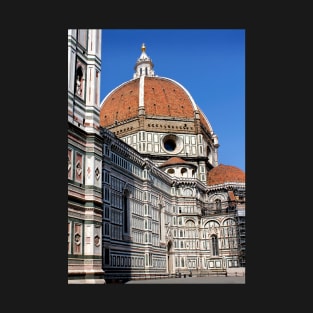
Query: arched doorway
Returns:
{"type": "Point", "coordinates": [170, 257]}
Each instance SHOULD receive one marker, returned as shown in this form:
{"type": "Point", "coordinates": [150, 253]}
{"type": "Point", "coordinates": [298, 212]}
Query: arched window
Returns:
{"type": "Point", "coordinates": [218, 205]}
{"type": "Point", "coordinates": [79, 81]}
{"type": "Point", "coordinates": [183, 172]}
{"type": "Point", "coordinates": [214, 244]}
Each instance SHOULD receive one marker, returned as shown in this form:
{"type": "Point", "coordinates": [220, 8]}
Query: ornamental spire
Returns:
{"type": "Point", "coordinates": [144, 65]}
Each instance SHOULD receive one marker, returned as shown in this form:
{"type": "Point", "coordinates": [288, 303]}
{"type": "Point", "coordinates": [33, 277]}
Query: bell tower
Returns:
{"type": "Point", "coordinates": [84, 67]}
{"type": "Point", "coordinates": [84, 158]}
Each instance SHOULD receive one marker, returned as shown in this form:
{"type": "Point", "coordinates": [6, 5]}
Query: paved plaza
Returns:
{"type": "Point", "coordinates": [193, 280]}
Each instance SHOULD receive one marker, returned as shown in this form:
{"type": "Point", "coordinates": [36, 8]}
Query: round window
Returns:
{"type": "Point", "coordinates": [170, 171]}
{"type": "Point", "coordinates": [169, 145]}
{"type": "Point", "coordinates": [172, 143]}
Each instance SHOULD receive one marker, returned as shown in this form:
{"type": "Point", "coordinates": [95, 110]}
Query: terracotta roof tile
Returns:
{"type": "Point", "coordinates": [225, 173]}
{"type": "Point", "coordinates": [121, 105]}
{"type": "Point", "coordinates": [173, 161]}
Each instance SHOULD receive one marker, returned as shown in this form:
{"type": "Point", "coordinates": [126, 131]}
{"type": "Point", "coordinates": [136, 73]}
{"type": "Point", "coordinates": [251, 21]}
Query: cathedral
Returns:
{"type": "Point", "coordinates": [147, 196]}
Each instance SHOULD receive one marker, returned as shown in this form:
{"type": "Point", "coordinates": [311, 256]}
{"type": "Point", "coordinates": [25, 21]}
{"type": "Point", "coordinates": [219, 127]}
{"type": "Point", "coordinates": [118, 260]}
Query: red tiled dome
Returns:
{"type": "Point", "coordinates": [121, 104]}
{"type": "Point", "coordinates": [162, 98]}
{"type": "Point", "coordinates": [225, 173]}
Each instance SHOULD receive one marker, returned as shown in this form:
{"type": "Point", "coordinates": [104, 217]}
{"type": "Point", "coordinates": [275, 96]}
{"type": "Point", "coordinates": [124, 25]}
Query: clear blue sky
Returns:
{"type": "Point", "coordinates": [209, 63]}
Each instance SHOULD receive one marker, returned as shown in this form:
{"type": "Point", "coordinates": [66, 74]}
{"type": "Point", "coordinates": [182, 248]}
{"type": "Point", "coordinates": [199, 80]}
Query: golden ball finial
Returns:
{"type": "Point", "coordinates": [143, 47]}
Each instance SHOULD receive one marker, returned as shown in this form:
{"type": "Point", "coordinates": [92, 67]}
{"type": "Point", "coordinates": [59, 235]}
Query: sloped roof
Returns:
{"type": "Point", "coordinates": [175, 161]}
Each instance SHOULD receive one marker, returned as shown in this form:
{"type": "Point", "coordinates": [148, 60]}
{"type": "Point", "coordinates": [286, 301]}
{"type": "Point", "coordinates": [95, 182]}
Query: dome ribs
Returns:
{"type": "Point", "coordinates": [121, 106]}
{"type": "Point", "coordinates": [164, 98]}
{"type": "Point", "coordinates": [225, 173]}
